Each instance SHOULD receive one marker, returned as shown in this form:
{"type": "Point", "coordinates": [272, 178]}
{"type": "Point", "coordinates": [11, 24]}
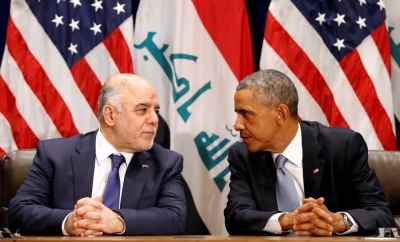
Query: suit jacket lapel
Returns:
{"type": "Point", "coordinates": [140, 169]}
{"type": "Point", "coordinates": [313, 163]}
{"type": "Point", "coordinates": [265, 174]}
{"type": "Point", "coordinates": [83, 166]}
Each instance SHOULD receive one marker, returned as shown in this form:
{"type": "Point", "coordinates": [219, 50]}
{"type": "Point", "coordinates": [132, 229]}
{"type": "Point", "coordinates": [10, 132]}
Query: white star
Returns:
{"type": "Point", "coordinates": [339, 19]}
{"type": "Point", "coordinates": [97, 5]}
{"type": "Point", "coordinates": [96, 28]}
{"type": "Point", "coordinates": [362, 2]}
{"type": "Point", "coordinates": [72, 48]}
{"type": "Point", "coordinates": [361, 22]}
{"type": "Point", "coordinates": [76, 2]}
{"type": "Point", "coordinates": [339, 44]}
{"type": "Point", "coordinates": [119, 8]}
{"type": "Point", "coordinates": [381, 4]}
{"type": "Point", "coordinates": [321, 18]}
{"type": "Point", "coordinates": [74, 25]}
{"type": "Point", "coordinates": [58, 1]}
{"type": "Point", "coordinates": [58, 20]}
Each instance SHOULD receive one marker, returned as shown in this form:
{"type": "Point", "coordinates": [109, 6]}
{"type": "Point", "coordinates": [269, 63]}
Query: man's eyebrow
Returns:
{"type": "Point", "coordinates": [142, 104]}
{"type": "Point", "coordinates": [146, 105]}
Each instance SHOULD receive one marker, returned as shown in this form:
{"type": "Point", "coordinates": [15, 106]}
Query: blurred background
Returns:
{"type": "Point", "coordinates": [343, 57]}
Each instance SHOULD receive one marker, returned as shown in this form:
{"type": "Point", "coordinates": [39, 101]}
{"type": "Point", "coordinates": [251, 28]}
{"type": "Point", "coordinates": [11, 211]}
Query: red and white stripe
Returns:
{"type": "Point", "coordinates": [354, 93]}
{"type": "Point", "coordinates": [43, 97]}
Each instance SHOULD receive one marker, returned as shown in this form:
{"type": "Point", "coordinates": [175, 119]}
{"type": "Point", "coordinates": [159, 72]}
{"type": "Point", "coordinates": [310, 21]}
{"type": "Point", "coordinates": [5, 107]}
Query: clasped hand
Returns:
{"type": "Point", "coordinates": [91, 217]}
{"type": "Point", "coordinates": [313, 218]}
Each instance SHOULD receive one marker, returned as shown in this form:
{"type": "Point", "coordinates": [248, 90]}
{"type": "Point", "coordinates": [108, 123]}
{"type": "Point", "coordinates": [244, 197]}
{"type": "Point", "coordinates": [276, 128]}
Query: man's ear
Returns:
{"type": "Point", "coordinates": [109, 115]}
{"type": "Point", "coordinates": [282, 113]}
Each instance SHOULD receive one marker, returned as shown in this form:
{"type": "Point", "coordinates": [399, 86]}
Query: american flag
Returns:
{"type": "Point", "coordinates": [338, 54]}
{"type": "Point", "coordinates": [58, 55]}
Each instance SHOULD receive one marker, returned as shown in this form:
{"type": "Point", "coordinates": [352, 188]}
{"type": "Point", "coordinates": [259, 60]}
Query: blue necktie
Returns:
{"type": "Point", "coordinates": [286, 194]}
{"type": "Point", "coordinates": [111, 194]}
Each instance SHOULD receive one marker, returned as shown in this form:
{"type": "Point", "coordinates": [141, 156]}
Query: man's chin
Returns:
{"type": "Point", "coordinates": [251, 149]}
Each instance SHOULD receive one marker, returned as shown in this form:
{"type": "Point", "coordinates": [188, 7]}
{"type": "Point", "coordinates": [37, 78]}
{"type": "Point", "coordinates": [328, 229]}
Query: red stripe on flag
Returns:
{"type": "Point", "coordinates": [381, 38]}
{"type": "Point", "coordinates": [230, 30]}
{"type": "Point", "coordinates": [23, 135]}
{"type": "Point", "coordinates": [39, 82]}
{"type": "Point", "coordinates": [87, 82]}
{"type": "Point", "coordinates": [2, 152]}
{"type": "Point", "coordinates": [307, 73]}
{"type": "Point", "coordinates": [366, 93]}
{"type": "Point", "coordinates": [119, 51]}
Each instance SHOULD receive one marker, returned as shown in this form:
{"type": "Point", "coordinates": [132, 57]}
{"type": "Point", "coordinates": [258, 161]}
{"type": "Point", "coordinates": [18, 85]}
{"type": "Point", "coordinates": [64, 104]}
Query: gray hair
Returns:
{"type": "Point", "coordinates": [110, 95]}
{"type": "Point", "coordinates": [272, 88]}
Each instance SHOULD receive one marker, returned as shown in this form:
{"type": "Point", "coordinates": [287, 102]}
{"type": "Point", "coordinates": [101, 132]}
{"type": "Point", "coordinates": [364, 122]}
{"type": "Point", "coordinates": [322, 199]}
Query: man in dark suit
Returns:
{"type": "Point", "coordinates": [63, 191]}
{"type": "Point", "coordinates": [326, 168]}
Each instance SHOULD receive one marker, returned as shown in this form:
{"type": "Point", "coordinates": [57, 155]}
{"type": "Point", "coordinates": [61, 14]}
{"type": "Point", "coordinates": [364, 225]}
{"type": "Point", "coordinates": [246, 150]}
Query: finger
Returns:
{"type": "Point", "coordinates": [323, 214]}
{"type": "Point", "coordinates": [81, 201]}
{"type": "Point", "coordinates": [319, 223]}
{"type": "Point", "coordinates": [96, 216]}
{"type": "Point", "coordinates": [303, 233]}
{"type": "Point", "coordinates": [306, 207]}
{"type": "Point", "coordinates": [98, 198]}
{"type": "Point", "coordinates": [304, 217]}
{"type": "Point", "coordinates": [88, 202]}
{"type": "Point", "coordinates": [309, 199]}
{"type": "Point", "coordinates": [321, 232]}
{"type": "Point", "coordinates": [90, 232]}
{"type": "Point", "coordinates": [87, 224]}
{"type": "Point", "coordinates": [320, 200]}
{"type": "Point", "coordinates": [304, 227]}
{"type": "Point", "coordinates": [86, 209]}
{"type": "Point", "coordinates": [95, 227]}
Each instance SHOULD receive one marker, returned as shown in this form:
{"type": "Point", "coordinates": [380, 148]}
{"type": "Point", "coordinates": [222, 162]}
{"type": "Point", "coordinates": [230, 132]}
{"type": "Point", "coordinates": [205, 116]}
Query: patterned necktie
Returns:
{"type": "Point", "coordinates": [286, 194]}
{"type": "Point", "coordinates": [111, 194]}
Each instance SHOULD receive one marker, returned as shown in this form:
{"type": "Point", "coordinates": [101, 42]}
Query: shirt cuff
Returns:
{"type": "Point", "coordinates": [62, 225]}
{"type": "Point", "coordinates": [352, 229]}
{"type": "Point", "coordinates": [273, 225]}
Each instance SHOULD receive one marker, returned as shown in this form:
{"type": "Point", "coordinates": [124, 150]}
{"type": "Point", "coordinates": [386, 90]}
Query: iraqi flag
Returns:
{"type": "Point", "coordinates": [393, 20]}
{"type": "Point", "coordinates": [338, 55]}
{"type": "Point", "coordinates": [195, 53]}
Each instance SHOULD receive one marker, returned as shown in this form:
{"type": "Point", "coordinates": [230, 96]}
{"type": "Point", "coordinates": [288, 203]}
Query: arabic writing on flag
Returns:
{"type": "Point", "coordinates": [58, 55]}
{"type": "Point", "coordinates": [338, 55]}
{"type": "Point", "coordinates": [195, 57]}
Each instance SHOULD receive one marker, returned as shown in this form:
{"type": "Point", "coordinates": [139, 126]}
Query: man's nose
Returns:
{"type": "Point", "coordinates": [238, 124]}
{"type": "Point", "coordinates": [153, 119]}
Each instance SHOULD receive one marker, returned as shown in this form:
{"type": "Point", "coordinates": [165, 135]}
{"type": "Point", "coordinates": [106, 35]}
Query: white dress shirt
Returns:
{"type": "Point", "coordinates": [294, 154]}
{"type": "Point", "coordinates": [103, 166]}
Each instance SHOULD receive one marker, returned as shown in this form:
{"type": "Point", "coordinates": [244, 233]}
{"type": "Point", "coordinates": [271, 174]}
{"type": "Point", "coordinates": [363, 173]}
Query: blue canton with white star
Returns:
{"type": "Point", "coordinates": [343, 24]}
{"type": "Point", "coordinates": [77, 26]}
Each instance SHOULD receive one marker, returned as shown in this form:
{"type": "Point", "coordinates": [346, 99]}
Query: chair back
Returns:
{"type": "Point", "coordinates": [387, 168]}
{"type": "Point", "coordinates": [13, 169]}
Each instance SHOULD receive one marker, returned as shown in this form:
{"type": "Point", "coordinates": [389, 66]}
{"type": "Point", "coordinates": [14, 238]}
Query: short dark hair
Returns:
{"type": "Point", "coordinates": [272, 88]}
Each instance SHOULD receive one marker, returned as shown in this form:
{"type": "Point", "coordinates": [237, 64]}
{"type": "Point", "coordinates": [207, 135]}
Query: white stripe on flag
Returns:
{"type": "Point", "coordinates": [7, 142]}
{"type": "Point", "coordinates": [34, 113]}
{"type": "Point", "coordinates": [42, 47]}
{"type": "Point", "coordinates": [306, 101]}
{"type": "Point", "coordinates": [100, 61]}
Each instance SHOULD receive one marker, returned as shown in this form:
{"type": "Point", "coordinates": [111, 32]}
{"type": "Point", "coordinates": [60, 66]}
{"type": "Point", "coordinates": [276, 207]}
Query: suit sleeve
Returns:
{"type": "Point", "coordinates": [169, 215]}
{"type": "Point", "coordinates": [241, 214]}
{"type": "Point", "coordinates": [365, 200]}
{"type": "Point", "coordinates": [30, 209]}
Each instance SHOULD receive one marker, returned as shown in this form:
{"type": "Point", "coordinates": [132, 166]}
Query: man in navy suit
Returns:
{"type": "Point", "coordinates": [335, 190]}
{"type": "Point", "coordinates": [62, 193]}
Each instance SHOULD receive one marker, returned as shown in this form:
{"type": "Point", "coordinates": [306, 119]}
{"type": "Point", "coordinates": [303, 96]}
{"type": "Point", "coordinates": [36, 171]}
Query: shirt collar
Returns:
{"type": "Point", "coordinates": [294, 151]}
{"type": "Point", "coordinates": [104, 149]}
